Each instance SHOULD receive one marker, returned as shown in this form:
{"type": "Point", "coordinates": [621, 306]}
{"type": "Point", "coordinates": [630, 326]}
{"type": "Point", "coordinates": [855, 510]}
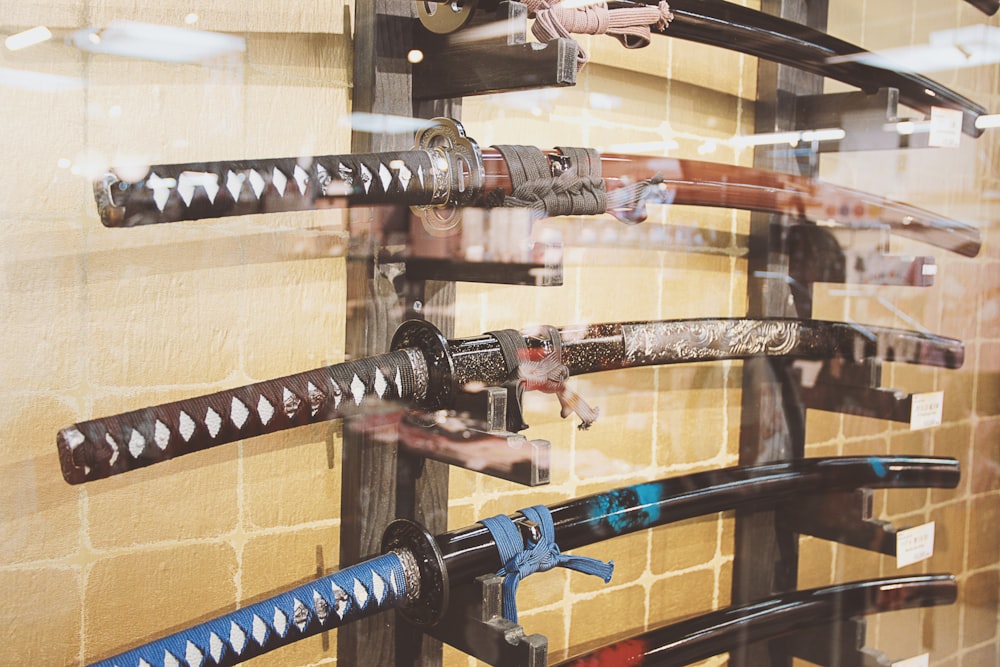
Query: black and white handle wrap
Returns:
{"type": "Point", "coordinates": [170, 193]}
{"type": "Point", "coordinates": [111, 445]}
{"type": "Point", "coordinates": [322, 604]}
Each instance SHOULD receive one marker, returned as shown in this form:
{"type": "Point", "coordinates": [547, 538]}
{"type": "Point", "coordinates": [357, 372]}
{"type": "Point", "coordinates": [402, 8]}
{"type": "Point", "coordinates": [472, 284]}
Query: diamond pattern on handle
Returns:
{"type": "Point", "coordinates": [264, 626]}
{"type": "Point", "coordinates": [102, 447]}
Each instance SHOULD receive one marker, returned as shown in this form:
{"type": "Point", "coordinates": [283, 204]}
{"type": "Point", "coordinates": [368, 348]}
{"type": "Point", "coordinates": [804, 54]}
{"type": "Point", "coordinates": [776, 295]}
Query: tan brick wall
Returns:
{"type": "Point", "coordinates": [97, 321]}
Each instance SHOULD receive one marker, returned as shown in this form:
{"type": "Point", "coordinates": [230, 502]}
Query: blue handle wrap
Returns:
{"type": "Point", "coordinates": [522, 558]}
{"type": "Point", "coordinates": [329, 602]}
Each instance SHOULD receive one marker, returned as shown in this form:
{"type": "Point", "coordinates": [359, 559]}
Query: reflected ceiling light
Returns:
{"type": "Point", "coordinates": [645, 146]}
{"type": "Point", "coordinates": [378, 123]}
{"type": "Point", "coordinates": [792, 138]}
{"type": "Point", "coordinates": [15, 78]}
{"type": "Point", "coordinates": [157, 42]}
{"type": "Point", "coordinates": [947, 49]}
{"type": "Point", "coordinates": [415, 56]}
{"type": "Point", "coordinates": [992, 120]}
{"type": "Point", "coordinates": [27, 38]}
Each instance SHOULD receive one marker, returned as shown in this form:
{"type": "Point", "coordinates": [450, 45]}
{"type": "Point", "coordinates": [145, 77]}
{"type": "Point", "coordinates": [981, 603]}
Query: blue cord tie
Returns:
{"type": "Point", "coordinates": [521, 559]}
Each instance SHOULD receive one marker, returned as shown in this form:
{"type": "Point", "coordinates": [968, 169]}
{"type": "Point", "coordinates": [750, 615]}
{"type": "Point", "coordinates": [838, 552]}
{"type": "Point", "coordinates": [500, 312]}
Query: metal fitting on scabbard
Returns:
{"type": "Point", "coordinates": [456, 170]}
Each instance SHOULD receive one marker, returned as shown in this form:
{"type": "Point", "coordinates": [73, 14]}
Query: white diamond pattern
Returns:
{"type": "Point", "coordinates": [301, 179]}
{"type": "Point", "coordinates": [394, 583]}
{"type": "Point", "coordinates": [136, 443]}
{"type": "Point", "coordinates": [292, 403]}
{"type": "Point", "coordinates": [215, 647]}
{"type": "Point", "coordinates": [404, 176]}
{"type": "Point", "coordinates": [357, 389]}
{"type": "Point", "coordinates": [161, 435]}
{"type": "Point", "coordinates": [186, 426]}
{"type": "Point", "coordinates": [193, 655]}
{"type": "Point", "coordinates": [256, 183]}
{"type": "Point", "coordinates": [186, 183]}
{"type": "Point", "coordinates": [378, 587]}
{"type": "Point", "coordinates": [114, 448]}
{"type": "Point", "coordinates": [399, 382]}
{"type": "Point", "coordinates": [420, 174]}
{"type": "Point", "coordinates": [265, 410]}
{"type": "Point", "coordinates": [74, 438]}
{"type": "Point", "coordinates": [315, 398]}
{"type": "Point", "coordinates": [169, 660]}
{"type": "Point", "coordinates": [280, 622]}
{"type": "Point", "coordinates": [213, 421]}
{"type": "Point", "coordinates": [143, 663]}
{"type": "Point", "coordinates": [237, 637]}
{"type": "Point", "coordinates": [300, 614]}
{"type": "Point", "coordinates": [321, 605]}
{"type": "Point", "coordinates": [234, 183]}
{"type": "Point", "coordinates": [279, 180]}
{"type": "Point", "coordinates": [259, 629]}
{"type": "Point", "coordinates": [340, 600]}
{"type": "Point", "coordinates": [366, 178]}
{"type": "Point", "coordinates": [238, 412]}
{"type": "Point", "coordinates": [360, 593]}
{"type": "Point", "coordinates": [211, 186]}
{"type": "Point", "coordinates": [161, 189]}
{"type": "Point", "coordinates": [385, 176]}
{"type": "Point", "coordinates": [380, 384]}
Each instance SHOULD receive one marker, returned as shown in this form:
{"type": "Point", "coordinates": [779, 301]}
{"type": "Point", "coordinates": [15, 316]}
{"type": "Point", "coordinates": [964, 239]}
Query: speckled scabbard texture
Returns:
{"type": "Point", "coordinates": [597, 347]}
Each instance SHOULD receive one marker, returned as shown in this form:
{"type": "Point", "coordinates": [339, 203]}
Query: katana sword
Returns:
{"type": "Point", "coordinates": [447, 170]}
{"type": "Point", "coordinates": [426, 370]}
{"type": "Point", "coordinates": [727, 629]}
{"type": "Point", "coordinates": [416, 571]}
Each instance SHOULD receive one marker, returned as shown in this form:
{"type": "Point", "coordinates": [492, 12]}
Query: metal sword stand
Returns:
{"type": "Point", "coordinates": [785, 261]}
{"type": "Point", "coordinates": [382, 481]}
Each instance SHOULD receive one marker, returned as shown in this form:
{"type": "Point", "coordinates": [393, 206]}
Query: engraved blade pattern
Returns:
{"type": "Point", "coordinates": [111, 445]}
{"type": "Point", "coordinates": [194, 191]}
{"type": "Point", "coordinates": [323, 604]}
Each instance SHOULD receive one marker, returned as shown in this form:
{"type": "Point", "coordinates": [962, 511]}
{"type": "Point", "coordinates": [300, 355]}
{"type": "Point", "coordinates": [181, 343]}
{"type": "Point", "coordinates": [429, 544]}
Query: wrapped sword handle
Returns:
{"type": "Point", "coordinates": [102, 447]}
{"type": "Point", "coordinates": [323, 604]}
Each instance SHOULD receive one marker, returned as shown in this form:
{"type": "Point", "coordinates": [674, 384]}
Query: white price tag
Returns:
{"type": "Point", "coordinates": [914, 544]}
{"type": "Point", "coordinates": [922, 660]}
{"type": "Point", "coordinates": [946, 127]}
{"type": "Point", "coordinates": [926, 410]}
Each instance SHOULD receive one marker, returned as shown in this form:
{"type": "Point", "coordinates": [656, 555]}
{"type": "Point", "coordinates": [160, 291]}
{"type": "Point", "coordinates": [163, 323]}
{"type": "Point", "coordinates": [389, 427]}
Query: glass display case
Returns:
{"type": "Point", "coordinates": [298, 296]}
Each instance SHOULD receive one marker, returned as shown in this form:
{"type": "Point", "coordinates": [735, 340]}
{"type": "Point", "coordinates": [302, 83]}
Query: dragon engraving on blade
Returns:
{"type": "Point", "coordinates": [656, 342]}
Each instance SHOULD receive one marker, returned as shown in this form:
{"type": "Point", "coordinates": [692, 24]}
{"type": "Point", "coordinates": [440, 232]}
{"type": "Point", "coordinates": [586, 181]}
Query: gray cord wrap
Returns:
{"type": "Point", "coordinates": [577, 191]}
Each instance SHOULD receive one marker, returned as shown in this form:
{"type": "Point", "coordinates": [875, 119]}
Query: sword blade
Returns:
{"type": "Point", "coordinates": [727, 629]}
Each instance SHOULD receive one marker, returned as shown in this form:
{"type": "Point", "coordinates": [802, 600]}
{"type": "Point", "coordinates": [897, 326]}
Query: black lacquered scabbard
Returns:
{"type": "Point", "coordinates": [732, 26]}
{"type": "Point", "coordinates": [416, 571]}
{"type": "Point", "coordinates": [720, 631]}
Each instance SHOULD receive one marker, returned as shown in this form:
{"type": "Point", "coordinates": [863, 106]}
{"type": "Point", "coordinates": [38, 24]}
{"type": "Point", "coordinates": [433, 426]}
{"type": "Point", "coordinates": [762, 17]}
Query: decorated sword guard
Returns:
{"type": "Point", "coordinates": [457, 170]}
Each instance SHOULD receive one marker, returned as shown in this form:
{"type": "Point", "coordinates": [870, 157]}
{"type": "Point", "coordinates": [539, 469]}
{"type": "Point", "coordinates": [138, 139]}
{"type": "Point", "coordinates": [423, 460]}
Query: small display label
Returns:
{"type": "Point", "coordinates": [914, 544]}
{"type": "Point", "coordinates": [922, 660]}
{"type": "Point", "coordinates": [926, 409]}
{"type": "Point", "coordinates": [946, 127]}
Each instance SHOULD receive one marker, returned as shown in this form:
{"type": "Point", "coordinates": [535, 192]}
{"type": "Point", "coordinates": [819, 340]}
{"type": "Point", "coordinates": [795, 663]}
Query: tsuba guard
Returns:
{"type": "Point", "coordinates": [434, 346]}
{"type": "Point", "coordinates": [432, 602]}
{"type": "Point", "coordinates": [457, 171]}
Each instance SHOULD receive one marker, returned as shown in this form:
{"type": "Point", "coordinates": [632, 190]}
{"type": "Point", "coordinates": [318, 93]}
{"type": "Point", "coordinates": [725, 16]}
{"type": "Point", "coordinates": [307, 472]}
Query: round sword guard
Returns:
{"type": "Point", "coordinates": [434, 346]}
{"type": "Point", "coordinates": [457, 171]}
{"type": "Point", "coordinates": [444, 17]}
{"type": "Point", "coordinates": [432, 601]}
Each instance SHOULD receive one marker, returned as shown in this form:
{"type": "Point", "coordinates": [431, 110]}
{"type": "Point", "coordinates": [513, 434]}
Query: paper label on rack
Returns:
{"type": "Point", "coordinates": [926, 410]}
{"type": "Point", "coordinates": [946, 127]}
{"type": "Point", "coordinates": [922, 660]}
{"type": "Point", "coordinates": [914, 544]}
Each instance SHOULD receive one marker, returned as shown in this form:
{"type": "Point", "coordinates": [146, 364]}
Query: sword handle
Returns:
{"type": "Point", "coordinates": [323, 604]}
{"type": "Point", "coordinates": [197, 190]}
{"type": "Point", "coordinates": [111, 445]}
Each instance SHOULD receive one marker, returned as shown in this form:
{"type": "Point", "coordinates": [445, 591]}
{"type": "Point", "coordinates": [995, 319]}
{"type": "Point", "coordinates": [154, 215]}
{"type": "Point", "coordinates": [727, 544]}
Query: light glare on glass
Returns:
{"type": "Point", "coordinates": [415, 56]}
{"type": "Point", "coordinates": [27, 38]}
